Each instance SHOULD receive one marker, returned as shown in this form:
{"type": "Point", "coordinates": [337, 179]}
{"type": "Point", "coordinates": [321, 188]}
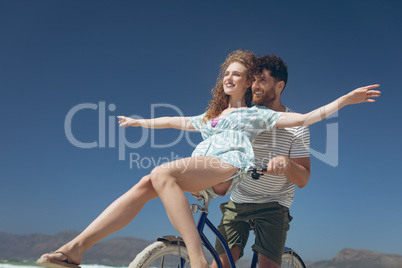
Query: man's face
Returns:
{"type": "Point", "coordinates": [264, 88]}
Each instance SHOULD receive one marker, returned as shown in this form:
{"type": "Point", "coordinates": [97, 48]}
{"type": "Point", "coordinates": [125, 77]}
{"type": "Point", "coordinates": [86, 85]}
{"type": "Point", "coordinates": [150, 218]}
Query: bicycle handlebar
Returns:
{"type": "Point", "coordinates": [257, 172]}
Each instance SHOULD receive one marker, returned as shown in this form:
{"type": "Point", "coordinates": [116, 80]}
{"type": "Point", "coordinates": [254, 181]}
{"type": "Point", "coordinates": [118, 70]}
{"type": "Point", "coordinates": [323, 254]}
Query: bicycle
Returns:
{"type": "Point", "coordinates": [170, 251]}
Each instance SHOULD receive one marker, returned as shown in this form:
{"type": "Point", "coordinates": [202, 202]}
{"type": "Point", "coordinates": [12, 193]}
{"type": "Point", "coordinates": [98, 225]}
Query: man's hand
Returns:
{"type": "Point", "coordinates": [278, 165]}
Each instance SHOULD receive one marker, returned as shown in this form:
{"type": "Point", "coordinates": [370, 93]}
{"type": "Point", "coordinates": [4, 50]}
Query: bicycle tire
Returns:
{"type": "Point", "coordinates": [161, 254]}
{"type": "Point", "coordinates": [291, 259]}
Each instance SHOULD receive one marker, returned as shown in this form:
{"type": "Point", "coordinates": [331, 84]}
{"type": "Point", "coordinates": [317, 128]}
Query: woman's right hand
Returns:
{"type": "Point", "coordinates": [362, 94]}
{"type": "Point", "coordinates": [128, 122]}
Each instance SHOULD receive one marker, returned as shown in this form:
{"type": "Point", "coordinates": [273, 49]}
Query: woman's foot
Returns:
{"type": "Point", "coordinates": [57, 259]}
{"type": "Point", "coordinates": [69, 255]}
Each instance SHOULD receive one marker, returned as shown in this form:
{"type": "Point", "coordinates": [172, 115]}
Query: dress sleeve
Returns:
{"type": "Point", "coordinates": [270, 118]}
{"type": "Point", "coordinates": [196, 121]}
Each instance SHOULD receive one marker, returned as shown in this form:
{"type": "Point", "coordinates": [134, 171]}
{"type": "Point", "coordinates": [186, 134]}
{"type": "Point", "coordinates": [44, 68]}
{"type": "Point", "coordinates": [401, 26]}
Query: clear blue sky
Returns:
{"type": "Point", "coordinates": [56, 55]}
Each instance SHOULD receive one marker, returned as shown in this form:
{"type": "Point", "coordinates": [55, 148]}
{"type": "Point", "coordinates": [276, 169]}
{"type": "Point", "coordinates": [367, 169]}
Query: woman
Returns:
{"type": "Point", "coordinates": [225, 151]}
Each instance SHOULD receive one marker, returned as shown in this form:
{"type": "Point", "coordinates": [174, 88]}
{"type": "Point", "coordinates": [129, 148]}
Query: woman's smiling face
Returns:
{"type": "Point", "coordinates": [235, 79]}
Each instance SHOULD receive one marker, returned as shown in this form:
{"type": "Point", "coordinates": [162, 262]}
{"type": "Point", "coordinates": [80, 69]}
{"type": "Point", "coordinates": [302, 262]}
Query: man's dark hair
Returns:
{"type": "Point", "coordinates": [275, 65]}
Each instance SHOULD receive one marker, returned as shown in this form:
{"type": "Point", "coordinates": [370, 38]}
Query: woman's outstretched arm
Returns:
{"type": "Point", "coordinates": [359, 95]}
{"type": "Point", "coordinates": [176, 122]}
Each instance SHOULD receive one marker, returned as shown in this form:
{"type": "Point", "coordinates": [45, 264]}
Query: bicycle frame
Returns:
{"type": "Point", "coordinates": [163, 246]}
{"type": "Point", "coordinates": [202, 221]}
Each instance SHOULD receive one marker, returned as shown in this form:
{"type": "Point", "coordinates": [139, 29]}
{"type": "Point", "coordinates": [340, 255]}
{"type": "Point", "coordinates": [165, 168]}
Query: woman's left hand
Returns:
{"type": "Point", "coordinates": [362, 94]}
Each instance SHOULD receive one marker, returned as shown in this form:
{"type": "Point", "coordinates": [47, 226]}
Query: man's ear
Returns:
{"type": "Point", "coordinates": [280, 86]}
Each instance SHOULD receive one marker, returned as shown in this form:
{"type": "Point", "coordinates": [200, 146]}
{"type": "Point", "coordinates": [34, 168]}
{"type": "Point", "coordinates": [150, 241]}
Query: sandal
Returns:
{"type": "Point", "coordinates": [47, 262]}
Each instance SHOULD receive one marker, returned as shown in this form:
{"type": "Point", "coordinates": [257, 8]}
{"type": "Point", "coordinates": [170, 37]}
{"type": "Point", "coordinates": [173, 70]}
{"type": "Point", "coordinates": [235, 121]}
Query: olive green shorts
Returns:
{"type": "Point", "coordinates": [271, 223]}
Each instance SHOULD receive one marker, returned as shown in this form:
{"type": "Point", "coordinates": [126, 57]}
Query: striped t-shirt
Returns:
{"type": "Point", "coordinates": [291, 142]}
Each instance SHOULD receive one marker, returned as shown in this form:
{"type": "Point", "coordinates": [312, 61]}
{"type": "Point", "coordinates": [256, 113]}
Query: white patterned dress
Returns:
{"type": "Point", "coordinates": [231, 138]}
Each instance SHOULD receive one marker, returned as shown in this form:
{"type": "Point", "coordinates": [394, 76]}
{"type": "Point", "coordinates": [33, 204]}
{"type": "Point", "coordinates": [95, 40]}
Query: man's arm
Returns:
{"type": "Point", "coordinates": [296, 170]}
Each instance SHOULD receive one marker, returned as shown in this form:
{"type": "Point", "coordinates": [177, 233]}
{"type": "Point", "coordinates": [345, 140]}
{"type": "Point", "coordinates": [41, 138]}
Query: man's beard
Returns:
{"type": "Point", "coordinates": [267, 99]}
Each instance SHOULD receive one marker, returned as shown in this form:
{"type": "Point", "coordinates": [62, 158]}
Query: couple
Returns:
{"type": "Point", "coordinates": [229, 126]}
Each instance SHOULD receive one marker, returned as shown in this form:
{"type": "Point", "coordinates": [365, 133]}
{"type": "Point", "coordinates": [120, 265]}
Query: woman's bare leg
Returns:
{"type": "Point", "coordinates": [112, 219]}
{"type": "Point", "coordinates": [190, 175]}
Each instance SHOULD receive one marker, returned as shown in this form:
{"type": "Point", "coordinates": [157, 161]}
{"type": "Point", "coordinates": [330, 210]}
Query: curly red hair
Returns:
{"type": "Point", "coordinates": [220, 100]}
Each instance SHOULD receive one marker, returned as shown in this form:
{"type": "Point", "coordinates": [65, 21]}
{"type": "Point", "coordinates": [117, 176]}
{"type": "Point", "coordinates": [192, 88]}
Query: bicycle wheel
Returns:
{"type": "Point", "coordinates": [162, 254]}
{"type": "Point", "coordinates": [291, 259]}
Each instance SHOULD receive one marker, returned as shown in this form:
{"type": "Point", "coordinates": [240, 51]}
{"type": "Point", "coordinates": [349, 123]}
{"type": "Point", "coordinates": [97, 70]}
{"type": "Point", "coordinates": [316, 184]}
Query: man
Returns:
{"type": "Point", "coordinates": [266, 201]}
